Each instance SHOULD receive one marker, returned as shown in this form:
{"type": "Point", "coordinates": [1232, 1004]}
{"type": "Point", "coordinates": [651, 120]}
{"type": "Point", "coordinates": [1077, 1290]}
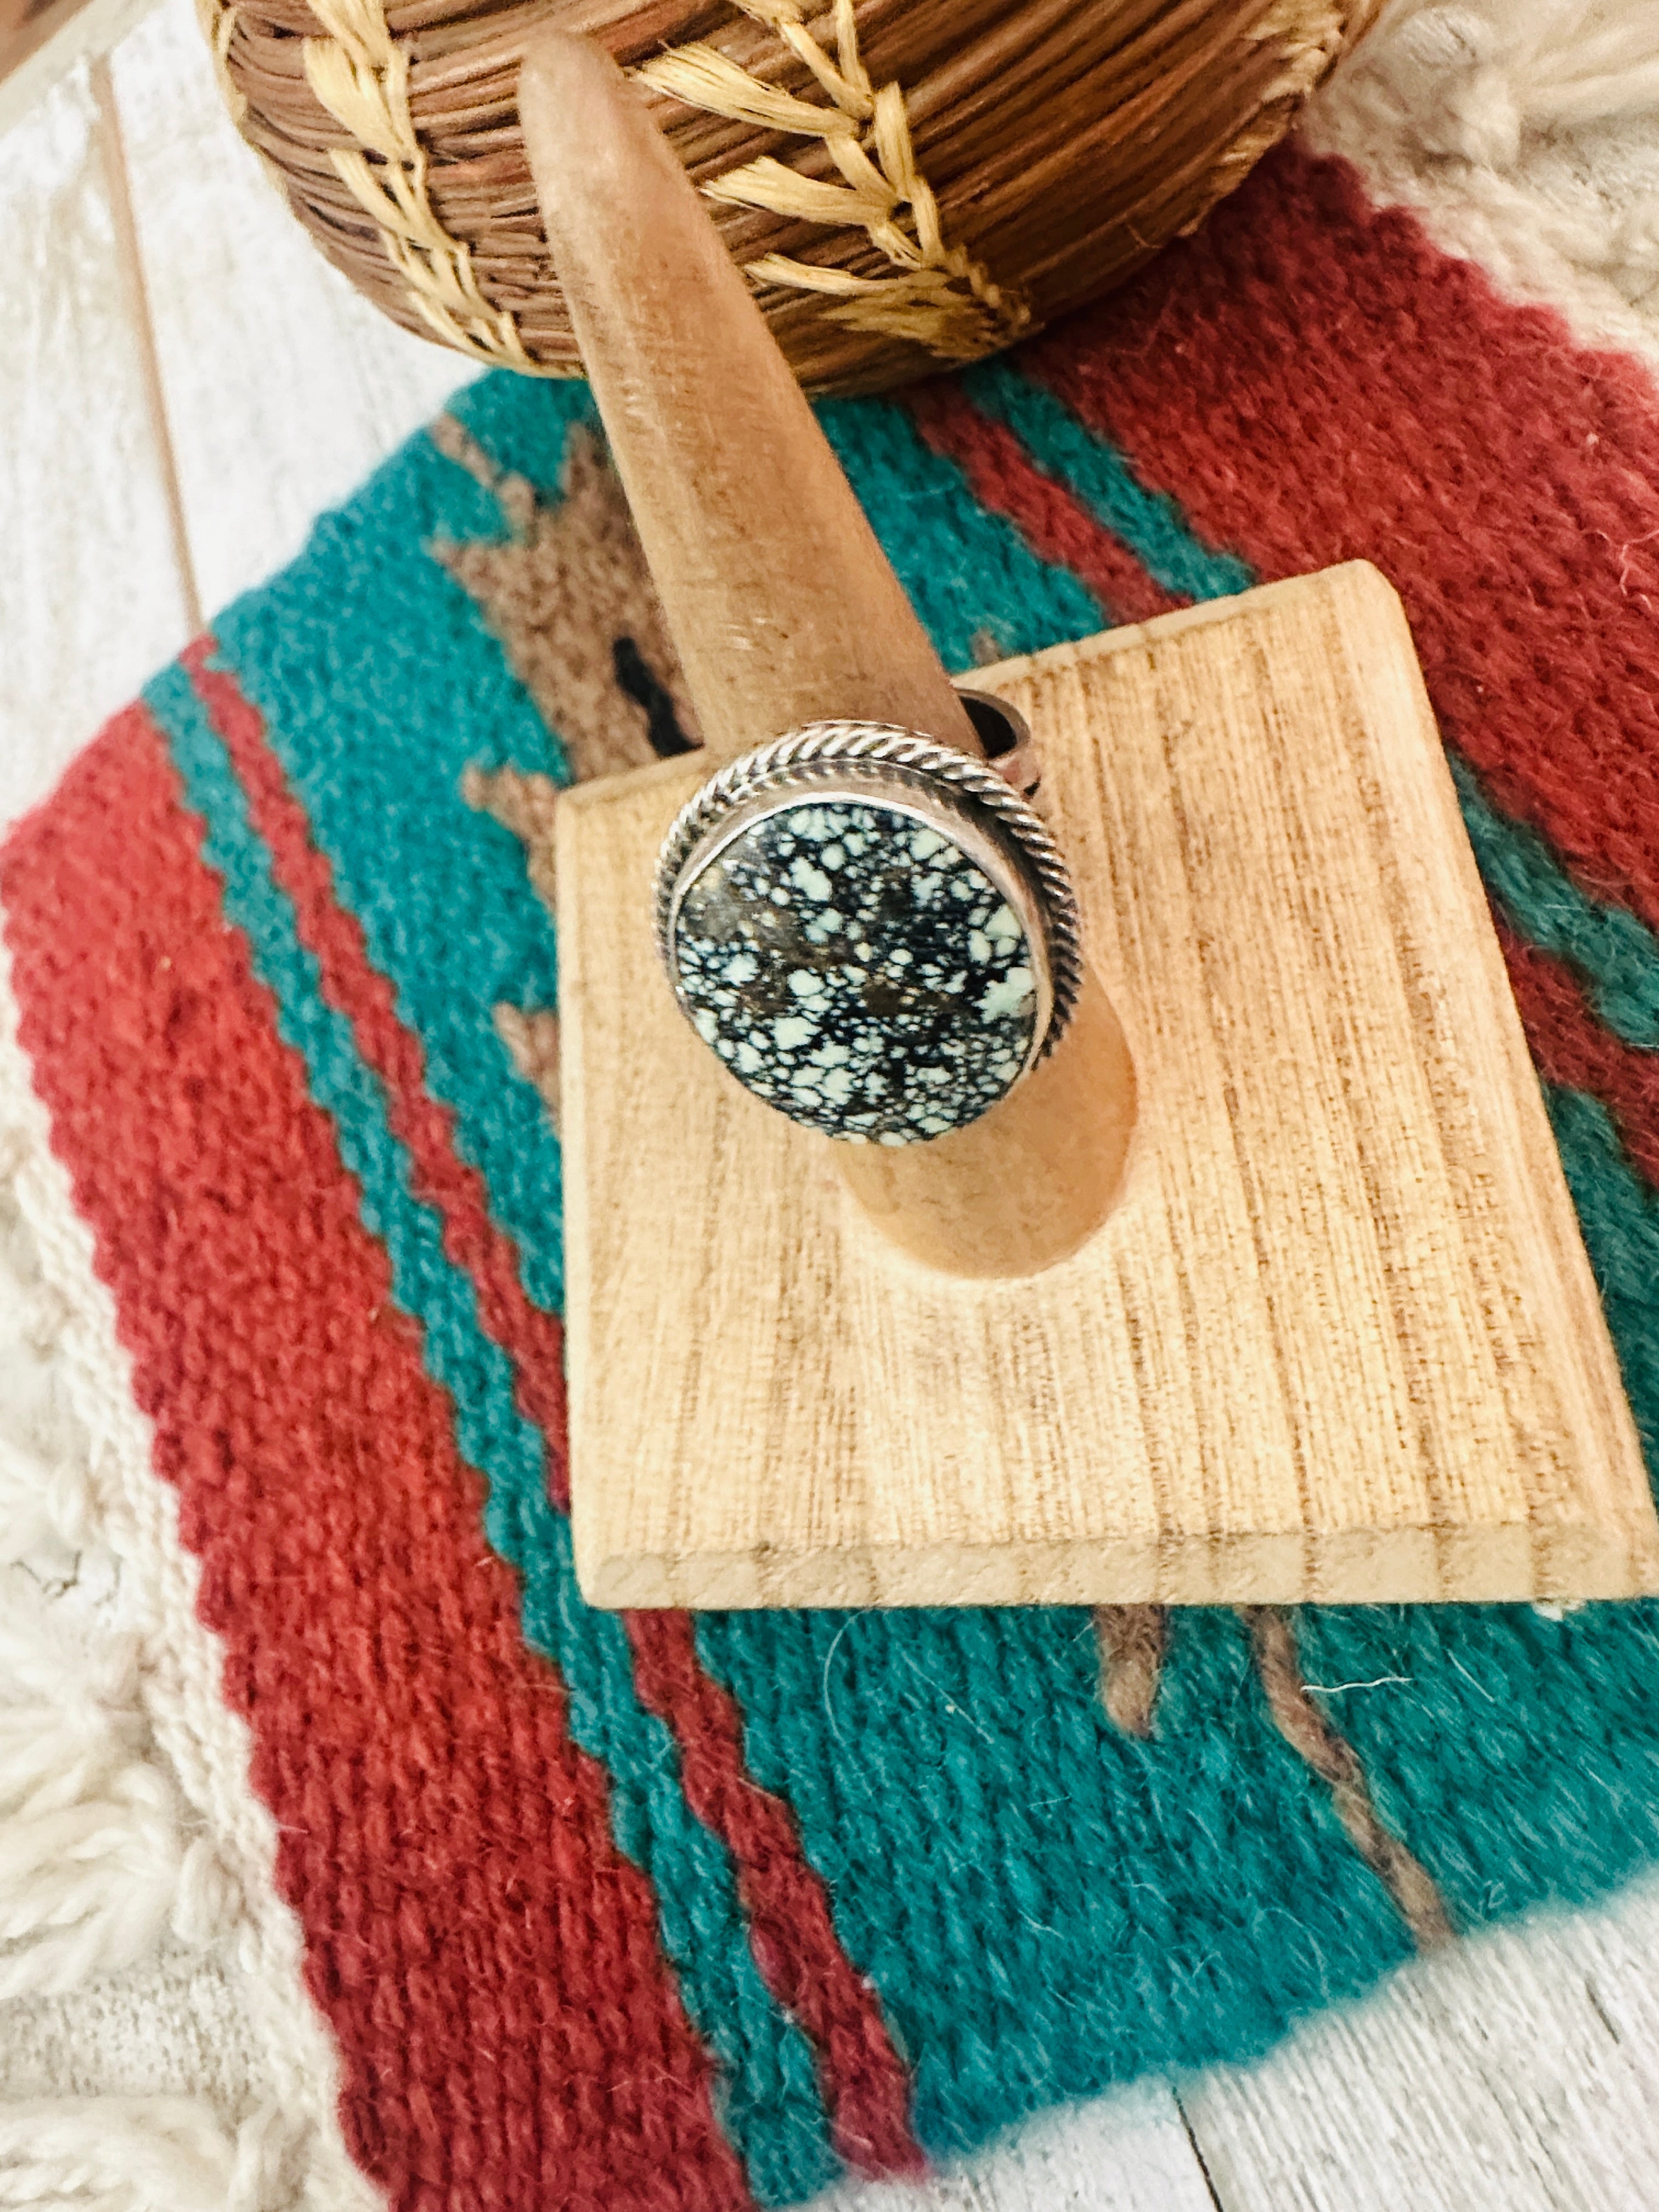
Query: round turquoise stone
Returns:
{"type": "Point", "coordinates": [858, 970]}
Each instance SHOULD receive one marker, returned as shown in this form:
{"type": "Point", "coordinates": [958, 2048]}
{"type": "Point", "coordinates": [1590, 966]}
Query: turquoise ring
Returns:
{"type": "Point", "coordinates": [875, 935]}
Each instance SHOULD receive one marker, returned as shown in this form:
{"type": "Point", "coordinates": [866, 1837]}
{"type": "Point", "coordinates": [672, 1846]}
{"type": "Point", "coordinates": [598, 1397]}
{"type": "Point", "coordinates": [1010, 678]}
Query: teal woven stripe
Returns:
{"type": "Point", "coordinates": [1619, 1213]}
{"type": "Point", "coordinates": [1045, 1905]}
{"type": "Point", "coordinates": [363, 615]}
{"type": "Point", "coordinates": [522, 433]}
{"type": "Point", "coordinates": [1615, 952]}
{"type": "Point", "coordinates": [975, 581]}
{"type": "Point", "coordinates": [772, 2112]}
{"type": "Point", "coordinates": [1150, 523]}
{"type": "Point", "coordinates": [971, 577]}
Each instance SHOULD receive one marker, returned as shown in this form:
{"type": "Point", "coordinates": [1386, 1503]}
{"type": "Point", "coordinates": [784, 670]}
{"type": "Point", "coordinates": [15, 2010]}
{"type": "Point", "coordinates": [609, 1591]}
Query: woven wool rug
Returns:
{"type": "Point", "coordinates": [657, 1910]}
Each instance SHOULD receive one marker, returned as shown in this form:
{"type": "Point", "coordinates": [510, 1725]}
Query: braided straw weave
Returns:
{"type": "Point", "coordinates": [908, 182]}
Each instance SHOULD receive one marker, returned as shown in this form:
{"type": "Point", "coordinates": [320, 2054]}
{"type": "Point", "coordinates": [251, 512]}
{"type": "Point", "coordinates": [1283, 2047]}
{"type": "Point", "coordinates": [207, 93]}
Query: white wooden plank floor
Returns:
{"type": "Point", "coordinates": [1519, 2072]}
{"type": "Point", "coordinates": [91, 593]}
{"type": "Point", "coordinates": [185, 385]}
{"type": "Point", "coordinates": [283, 386]}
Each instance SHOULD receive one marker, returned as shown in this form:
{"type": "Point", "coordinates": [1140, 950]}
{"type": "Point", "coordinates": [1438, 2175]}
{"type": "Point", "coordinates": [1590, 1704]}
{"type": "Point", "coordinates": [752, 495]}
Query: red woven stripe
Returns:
{"type": "Point", "coordinates": [509, 2035]}
{"type": "Point", "coordinates": [794, 1935]}
{"type": "Point", "coordinates": [1571, 1047]}
{"type": "Point", "coordinates": [532, 1339]}
{"type": "Point", "coordinates": [1002, 476]}
{"type": "Point", "coordinates": [1313, 381]}
{"type": "Point", "coordinates": [791, 1924]}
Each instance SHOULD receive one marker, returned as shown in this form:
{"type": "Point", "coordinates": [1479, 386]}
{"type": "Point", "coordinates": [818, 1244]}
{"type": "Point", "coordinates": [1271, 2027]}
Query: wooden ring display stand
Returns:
{"type": "Point", "coordinates": [1267, 1287]}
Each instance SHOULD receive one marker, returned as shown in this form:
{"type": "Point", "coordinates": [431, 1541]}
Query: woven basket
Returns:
{"type": "Point", "coordinates": [909, 183]}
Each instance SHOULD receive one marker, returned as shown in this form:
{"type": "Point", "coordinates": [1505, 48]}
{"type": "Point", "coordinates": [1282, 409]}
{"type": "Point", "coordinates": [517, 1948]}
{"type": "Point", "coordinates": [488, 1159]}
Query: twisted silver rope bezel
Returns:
{"type": "Point", "coordinates": [961, 784]}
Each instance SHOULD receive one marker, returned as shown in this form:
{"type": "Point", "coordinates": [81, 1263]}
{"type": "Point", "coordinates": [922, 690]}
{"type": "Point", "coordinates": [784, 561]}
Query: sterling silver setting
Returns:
{"type": "Point", "coordinates": [954, 970]}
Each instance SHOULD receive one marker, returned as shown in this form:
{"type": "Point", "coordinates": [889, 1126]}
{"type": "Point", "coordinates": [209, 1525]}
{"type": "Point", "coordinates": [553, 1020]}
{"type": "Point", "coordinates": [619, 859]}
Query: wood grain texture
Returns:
{"type": "Point", "coordinates": [92, 599]}
{"type": "Point", "coordinates": [1338, 1339]}
{"type": "Point", "coordinates": [284, 388]}
{"type": "Point", "coordinates": [783, 607]}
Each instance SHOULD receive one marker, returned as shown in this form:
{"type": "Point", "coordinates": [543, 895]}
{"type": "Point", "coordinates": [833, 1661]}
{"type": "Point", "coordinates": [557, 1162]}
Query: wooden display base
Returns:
{"type": "Point", "coordinates": [1337, 1337]}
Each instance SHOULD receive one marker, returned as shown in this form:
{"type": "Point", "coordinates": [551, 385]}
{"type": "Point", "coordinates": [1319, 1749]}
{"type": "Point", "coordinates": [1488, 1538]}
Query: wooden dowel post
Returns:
{"type": "Point", "coordinates": [781, 605]}
{"type": "Point", "coordinates": [785, 610]}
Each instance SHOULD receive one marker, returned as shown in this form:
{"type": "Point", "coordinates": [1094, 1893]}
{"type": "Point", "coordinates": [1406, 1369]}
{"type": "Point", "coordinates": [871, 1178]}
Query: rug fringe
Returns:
{"type": "Point", "coordinates": [148, 2154]}
{"type": "Point", "coordinates": [1440, 108]}
{"type": "Point", "coordinates": [92, 1856]}
{"type": "Point", "coordinates": [1494, 75]}
{"type": "Point", "coordinates": [95, 1863]}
